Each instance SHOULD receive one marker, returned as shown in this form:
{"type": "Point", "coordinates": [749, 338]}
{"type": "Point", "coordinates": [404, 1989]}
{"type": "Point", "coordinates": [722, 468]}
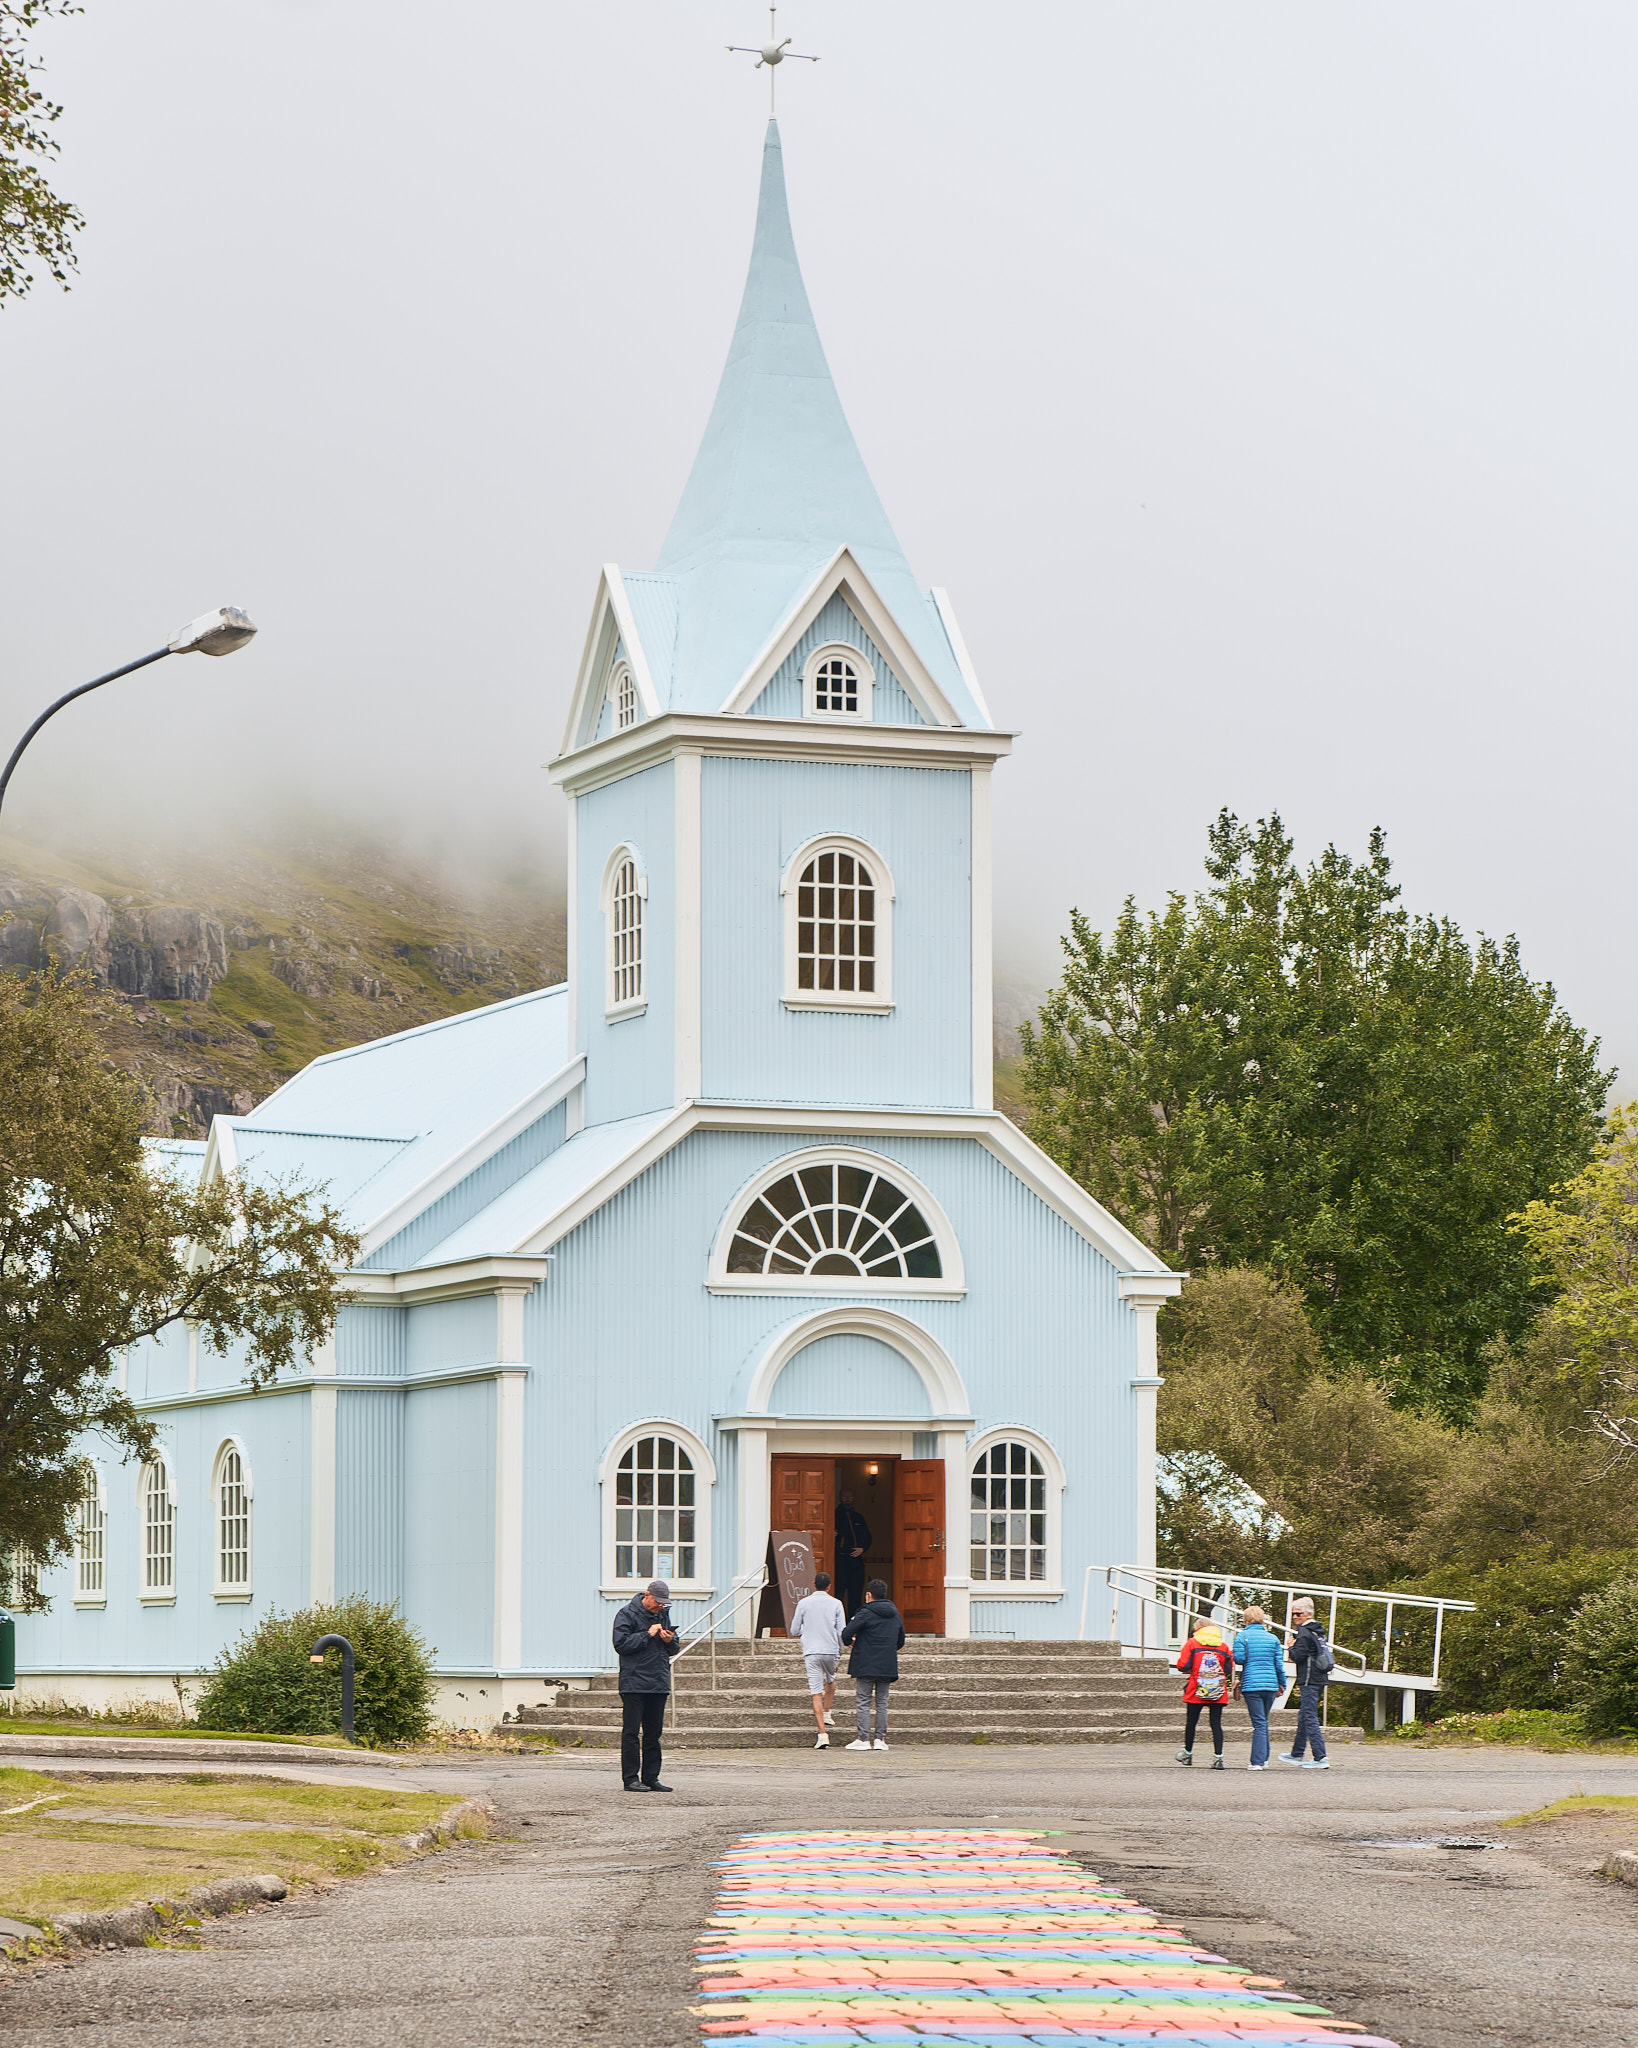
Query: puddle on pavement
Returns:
{"type": "Point", "coordinates": [1421, 1842]}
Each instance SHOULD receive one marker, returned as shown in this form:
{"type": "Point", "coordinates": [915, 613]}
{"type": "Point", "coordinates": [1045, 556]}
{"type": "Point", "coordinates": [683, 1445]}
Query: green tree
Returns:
{"type": "Point", "coordinates": [1584, 1243]}
{"type": "Point", "coordinates": [1291, 1070]}
{"type": "Point", "coordinates": [35, 225]}
{"type": "Point", "coordinates": [100, 1248]}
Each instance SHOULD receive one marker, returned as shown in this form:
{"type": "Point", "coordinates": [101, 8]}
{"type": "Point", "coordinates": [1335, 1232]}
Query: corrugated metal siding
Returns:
{"type": "Point", "coordinates": [849, 1376]}
{"type": "Point", "coordinates": [629, 1065]}
{"type": "Point", "coordinates": [370, 1494]}
{"type": "Point", "coordinates": [370, 1340]}
{"type": "Point", "coordinates": [449, 1520]}
{"type": "Point", "coordinates": [453, 1333]}
{"type": "Point", "coordinates": [924, 1444]}
{"type": "Point", "coordinates": [158, 1366]}
{"type": "Point", "coordinates": [756, 816]}
{"type": "Point", "coordinates": [499, 1172]}
{"type": "Point", "coordinates": [782, 698]}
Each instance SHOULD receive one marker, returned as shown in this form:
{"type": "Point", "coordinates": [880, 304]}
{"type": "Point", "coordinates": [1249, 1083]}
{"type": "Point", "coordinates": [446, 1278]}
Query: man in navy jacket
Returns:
{"type": "Point", "coordinates": [645, 1643]}
{"type": "Point", "coordinates": [877, 1636]}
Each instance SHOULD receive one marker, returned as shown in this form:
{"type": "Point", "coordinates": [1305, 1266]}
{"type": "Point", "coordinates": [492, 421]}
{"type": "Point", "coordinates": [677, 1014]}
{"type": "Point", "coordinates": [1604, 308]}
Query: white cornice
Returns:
{"type": "Point", "coordinates": [773, 739]}
{"type": "Point", "coordinates": [958, 647]}
{"type": "Point", "coordinates": [505, 1274]}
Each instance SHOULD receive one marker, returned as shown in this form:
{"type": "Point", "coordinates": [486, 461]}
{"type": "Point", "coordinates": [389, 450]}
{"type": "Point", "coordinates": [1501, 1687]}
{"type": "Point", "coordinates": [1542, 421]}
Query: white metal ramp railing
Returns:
{"type": "Point", "coordinates": [1168, 1602]}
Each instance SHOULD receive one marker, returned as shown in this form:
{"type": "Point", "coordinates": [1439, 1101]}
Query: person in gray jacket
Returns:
{"type": "Point", "coordinates": [1311, 1654]}
{"type": "Point", "coordinates": [645, 1642]}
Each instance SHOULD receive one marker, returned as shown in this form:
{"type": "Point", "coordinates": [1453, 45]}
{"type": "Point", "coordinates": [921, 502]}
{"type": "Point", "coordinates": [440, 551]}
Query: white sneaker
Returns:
{"type": "Point", "coordinates": [830, 1720]}
{"type": "Point", "coordinates": [858, 1745]}
{"type": "Point", "coordinates": [1317, 1763]}
{"type": "Point", "coordinates": [1256, 1767]}
{"type": "Point", "coordinates": [878, 1745]}
{"type": "Point", "coordinates": [823, 1741]}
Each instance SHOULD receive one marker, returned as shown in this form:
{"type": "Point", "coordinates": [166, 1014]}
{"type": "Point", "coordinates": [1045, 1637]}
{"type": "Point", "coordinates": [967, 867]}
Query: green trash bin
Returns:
{"type": "Point", "coordinates": [8, 1652]}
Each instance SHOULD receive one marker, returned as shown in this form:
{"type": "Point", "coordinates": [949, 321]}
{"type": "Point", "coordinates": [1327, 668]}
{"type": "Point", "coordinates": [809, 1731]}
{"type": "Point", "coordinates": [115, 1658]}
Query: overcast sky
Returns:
{"type": "Point", "coordinates": [1258, 378]}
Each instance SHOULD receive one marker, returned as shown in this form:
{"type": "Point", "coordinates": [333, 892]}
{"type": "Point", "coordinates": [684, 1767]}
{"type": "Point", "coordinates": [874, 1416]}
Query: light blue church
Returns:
{"type": "Point", "coordinates": [722, 1226]}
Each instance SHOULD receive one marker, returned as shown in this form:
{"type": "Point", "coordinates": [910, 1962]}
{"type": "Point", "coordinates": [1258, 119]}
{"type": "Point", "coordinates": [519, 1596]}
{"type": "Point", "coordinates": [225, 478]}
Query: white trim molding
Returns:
{"type": "Point", "coordinates": [933, 1365]}
{"type": "Point", "coordinates": [864, 677]}
{"type": "Point", "coordinates": [1052, 1587]}
{"type": "Point", "coordinates": [952, 1279]}
{"type": "Point", "coordinates": [616, 1006]}
{"type": "Point", "coordinates": [705, 1481]}
{"type": "Point", "coordinates": [687, 925]}
{"type": "Point", "coordinates": [875, 1001]}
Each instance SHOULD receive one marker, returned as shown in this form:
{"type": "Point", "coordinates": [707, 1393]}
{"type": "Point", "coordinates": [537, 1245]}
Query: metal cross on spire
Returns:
{"type": "Point", "coordinates": [772, 53]}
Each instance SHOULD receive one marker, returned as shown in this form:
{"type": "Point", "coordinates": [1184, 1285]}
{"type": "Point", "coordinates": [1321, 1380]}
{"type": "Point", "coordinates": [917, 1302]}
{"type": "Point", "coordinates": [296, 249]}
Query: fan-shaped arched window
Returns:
{"type": "Point", "coordinates": [835, 1220]}
{"type": "Point", "coordinates": [158, 1509]}
{"type": "Point", "coordinates": [625, 890]}
{"type": "Point", "coordinates": [90, 1540]}
{"type": "Point", "coordinates": [231, 1491]}
{"type": "Point", "coordinates": [1009, 1515]}
{"type": "Point", "coordinates": [838, 929]}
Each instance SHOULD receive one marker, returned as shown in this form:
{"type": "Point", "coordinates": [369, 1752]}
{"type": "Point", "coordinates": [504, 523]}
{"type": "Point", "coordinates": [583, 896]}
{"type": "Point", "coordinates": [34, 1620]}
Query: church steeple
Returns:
{"type": "Point", "coordinates": [778, 486]}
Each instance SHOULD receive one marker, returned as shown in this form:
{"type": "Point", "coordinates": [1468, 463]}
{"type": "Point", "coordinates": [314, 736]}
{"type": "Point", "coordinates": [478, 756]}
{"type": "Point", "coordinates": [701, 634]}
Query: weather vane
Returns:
{"type": "Point", "coordinates": [772, 53]}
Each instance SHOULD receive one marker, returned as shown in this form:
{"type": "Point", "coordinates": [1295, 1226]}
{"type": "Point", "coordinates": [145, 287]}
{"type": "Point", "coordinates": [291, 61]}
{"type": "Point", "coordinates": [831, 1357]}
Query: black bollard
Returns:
{"type": "Point", "coordinates": [339, 1643]}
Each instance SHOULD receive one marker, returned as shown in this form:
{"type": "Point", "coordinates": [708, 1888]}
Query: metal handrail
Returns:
{"type": "Point", "coordinates": [704, 1628]}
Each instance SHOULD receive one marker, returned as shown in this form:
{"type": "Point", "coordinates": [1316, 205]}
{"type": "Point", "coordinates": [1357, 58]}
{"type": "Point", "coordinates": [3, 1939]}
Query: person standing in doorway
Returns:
{"type": "Point", "coordinates": [1311, 1654]}
{"type": "Point", "coordinates": [645, 1643]}
{"type": "Point", "coordinates": [852, 1541]}
{"type": "Point", "coordinates": [1260, 1666]}
{"type": "Point", "coordinates": [1210, 1671]}
{"type": "Point", "coordinates": [877, 1636]}
{"type": "Point", "coordinates": [817, 1621]}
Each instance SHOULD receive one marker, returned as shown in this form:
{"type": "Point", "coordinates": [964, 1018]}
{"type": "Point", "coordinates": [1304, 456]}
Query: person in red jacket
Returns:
{"type": "Point", "coordinates": [1209, 1663]}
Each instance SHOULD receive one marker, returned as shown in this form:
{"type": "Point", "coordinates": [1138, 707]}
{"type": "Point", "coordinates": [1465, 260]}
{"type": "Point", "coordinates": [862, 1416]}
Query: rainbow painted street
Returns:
{"type": "Point", "coordinates": [978, 1939]}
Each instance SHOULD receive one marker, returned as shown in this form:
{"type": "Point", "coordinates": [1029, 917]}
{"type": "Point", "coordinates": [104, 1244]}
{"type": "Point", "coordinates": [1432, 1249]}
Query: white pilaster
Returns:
{"type": "Point", "coordinates": [952, 1448]}
{"type": "Point", "coordinates": [685, 771]}
{"type": "Point", "coordinates": [983, 946]}
{"type": "Point", "coordinates": [1145, 1294]}
{"type": "Point", "coordinates": [509, 1511]}
{"type": "Point", "coordinates": [321, 1540]}
{"type": "Point", "coordinates": [755, 1508]}
{"type": "Point", "coordinates": [571, 938]}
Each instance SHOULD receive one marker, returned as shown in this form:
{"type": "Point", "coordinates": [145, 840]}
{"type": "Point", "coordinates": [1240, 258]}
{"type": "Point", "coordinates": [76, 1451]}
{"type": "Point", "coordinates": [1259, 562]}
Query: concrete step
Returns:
{"type": "Point", "coordinates": [1059, 1722]}
{"type": "Point", "coordinates": [903, 1735]}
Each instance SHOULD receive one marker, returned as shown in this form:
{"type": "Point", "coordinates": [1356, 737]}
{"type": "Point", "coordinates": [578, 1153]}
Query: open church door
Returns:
{"type": "Point", "coordinates": [918, 1545]}
{"type": "Point", "coordinates": [802, 1495]}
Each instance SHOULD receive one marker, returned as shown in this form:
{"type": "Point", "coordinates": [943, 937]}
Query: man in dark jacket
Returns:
{"type": "Point", "coordinates": [877, 1636]}
{"type": "Point", "coordinates": [852, 1541]}
{"type": "Point", "coordinates": [1308, 1653]}
{"type": "Point", "coordinates": [645, 1642]}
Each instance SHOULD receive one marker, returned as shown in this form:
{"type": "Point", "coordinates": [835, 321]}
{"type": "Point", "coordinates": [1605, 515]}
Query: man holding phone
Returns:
{"type": "Point", "coordinates": [645, 1643]}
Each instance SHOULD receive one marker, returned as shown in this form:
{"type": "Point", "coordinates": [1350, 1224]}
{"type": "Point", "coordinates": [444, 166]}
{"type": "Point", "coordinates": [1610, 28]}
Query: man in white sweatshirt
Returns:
{"type": "Point", "coordinates": [817, 1623]}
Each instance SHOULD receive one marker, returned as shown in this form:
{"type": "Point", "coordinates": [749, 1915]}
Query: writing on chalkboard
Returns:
{"type": "Point", "coordinates": [790, 1577]}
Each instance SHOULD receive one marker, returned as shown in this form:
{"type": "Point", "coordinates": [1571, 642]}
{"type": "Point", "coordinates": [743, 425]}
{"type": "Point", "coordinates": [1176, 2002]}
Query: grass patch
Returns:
{"type": "Point", "coordinates": [1547, 1728]}
{"type": "Point", "coordinates": [1579, 1802]}
{"type": "Point", "coordinates": [91, 1847]}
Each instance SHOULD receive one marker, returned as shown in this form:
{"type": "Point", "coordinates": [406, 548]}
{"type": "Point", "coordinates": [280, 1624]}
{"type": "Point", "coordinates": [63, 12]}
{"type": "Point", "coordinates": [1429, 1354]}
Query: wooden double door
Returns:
{"type": "Point", "coordinates": [803, 1494]}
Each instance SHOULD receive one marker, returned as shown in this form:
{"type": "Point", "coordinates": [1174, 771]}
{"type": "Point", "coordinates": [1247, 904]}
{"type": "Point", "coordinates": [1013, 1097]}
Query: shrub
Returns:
{"type": "Point", "coordinates": [265, 1683]}
{"type": "Point", "coordinates": [1601, 1659]}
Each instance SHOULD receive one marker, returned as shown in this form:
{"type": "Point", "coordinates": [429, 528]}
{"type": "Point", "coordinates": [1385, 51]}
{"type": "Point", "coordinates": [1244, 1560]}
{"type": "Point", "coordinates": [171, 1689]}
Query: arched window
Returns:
{"type": "Point", "coordinates": [842, 1220]}
{"type": "Point", "coordinates": [1014, 1505]}
{"type": "Point", "coordinates": [158, 1507]}
{"type": "Point", "coordinates": [90, 1540]}
{"type": "Point", "coordinates": [837, 682]}
{"type": "Point", "coordinates": [657, 1482]}
{"type": "Point", "coordinates": [231, 1492]}
{"type": "Point", "coordinates": [838, 899]}
{"type": "Point", "coordinates": [623, 696]}
{"type": "Point", "coordinates": [625, 889]}
{"type": "Point", "coordinates": [21, 1579]}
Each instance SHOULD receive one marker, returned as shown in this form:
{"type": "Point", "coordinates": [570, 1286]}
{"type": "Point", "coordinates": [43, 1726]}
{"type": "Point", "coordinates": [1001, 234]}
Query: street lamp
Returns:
{"type": "Point", "coordinates": [217, 632]}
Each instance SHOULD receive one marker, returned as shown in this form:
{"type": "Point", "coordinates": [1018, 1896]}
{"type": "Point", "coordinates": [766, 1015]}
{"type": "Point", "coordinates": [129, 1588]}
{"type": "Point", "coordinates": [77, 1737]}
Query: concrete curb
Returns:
{"type": "Point", "coordinates": [128, 1747]}
{"type": "Point", "coordinates": [1623, 1866]}
{"type": "Point", "coordinates": [468, 1817]}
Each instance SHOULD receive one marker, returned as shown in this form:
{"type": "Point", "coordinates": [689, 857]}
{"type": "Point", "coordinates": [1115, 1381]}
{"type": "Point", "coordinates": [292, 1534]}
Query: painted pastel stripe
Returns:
{"type": "Point", "coordinates": [971, 1938]}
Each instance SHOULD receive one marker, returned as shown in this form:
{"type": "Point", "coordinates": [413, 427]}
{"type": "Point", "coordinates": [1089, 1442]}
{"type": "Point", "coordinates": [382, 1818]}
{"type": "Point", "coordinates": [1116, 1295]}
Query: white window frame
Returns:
{"type": "Point", "coordinates": [951, 1282]}
{"type": "Point", "coordinates": [158, 1596]}
{"type": "Point", "coordinates": [93, 1488]}
{"type": "Point", "coordinates": [861, 668]}
{"type": "Point", "coordinates": [624, 695]}
{"type": "Point", "coordinates": [1052, 1588]}
{"type": "Point", "coordinates": [699, 1587]}
{"type": "Point", "coordinates": [879, 1000]}
{"type": "Point", "coordinates": [231, 1594]}
{"type": "Point", "coordinates": [631, 1006]}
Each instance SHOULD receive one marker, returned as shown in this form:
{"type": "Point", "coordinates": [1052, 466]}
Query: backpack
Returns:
{"type": "Point", "coordinates": [1320, 1662]}
{"type": "Point", "coordinates": [1211, 1675]}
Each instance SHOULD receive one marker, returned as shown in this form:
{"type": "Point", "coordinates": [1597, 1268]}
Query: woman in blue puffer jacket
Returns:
{"type": "Point", "coordinates": [1259, 1663]}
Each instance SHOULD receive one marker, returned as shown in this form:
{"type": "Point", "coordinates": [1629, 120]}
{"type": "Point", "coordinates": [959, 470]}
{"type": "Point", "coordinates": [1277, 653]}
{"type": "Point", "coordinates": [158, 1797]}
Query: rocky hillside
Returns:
{"type": "Point", "coordinates": [224, 972]}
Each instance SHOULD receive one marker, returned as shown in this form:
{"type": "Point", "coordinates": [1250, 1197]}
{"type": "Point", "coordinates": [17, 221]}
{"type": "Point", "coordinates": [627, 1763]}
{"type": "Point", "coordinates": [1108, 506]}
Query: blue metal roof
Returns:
{"type": "Point", "coordinates": [778, 486]}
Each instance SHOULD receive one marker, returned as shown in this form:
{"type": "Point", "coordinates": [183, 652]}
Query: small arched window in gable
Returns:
{"type": "Point", "coordinates": [158, 1511]}
{"type": "Point", "coordinates": [835, 1220]}
{"type": "Point", "coordinates": [232, 1498]}
{"type": "Point", "coordinates": [838, 927]}
{"type": "Point", "coordinates": [625, 890]}
{"type": "Point", "coordinates": [837, 682]}
{"type": "Point", "coordinates": [623, 697]}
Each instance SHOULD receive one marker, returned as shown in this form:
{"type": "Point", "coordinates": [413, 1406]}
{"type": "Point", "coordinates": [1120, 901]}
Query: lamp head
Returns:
{"type": "Point", "coordinates": [217, 632]}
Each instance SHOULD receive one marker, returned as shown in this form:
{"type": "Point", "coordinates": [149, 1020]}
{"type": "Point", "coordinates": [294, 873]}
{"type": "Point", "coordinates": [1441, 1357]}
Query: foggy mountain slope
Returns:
{"type": "Point", "coordinates": [221, 973]}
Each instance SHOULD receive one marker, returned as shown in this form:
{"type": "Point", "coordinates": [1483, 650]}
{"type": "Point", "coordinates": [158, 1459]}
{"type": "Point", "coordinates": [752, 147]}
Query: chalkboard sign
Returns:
{"type": "Point", "coordinates": [790, 1578]}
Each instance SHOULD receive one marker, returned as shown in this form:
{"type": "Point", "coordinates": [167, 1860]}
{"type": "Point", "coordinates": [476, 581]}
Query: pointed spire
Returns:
{"type": "Point", "coordinates": [778, 485]}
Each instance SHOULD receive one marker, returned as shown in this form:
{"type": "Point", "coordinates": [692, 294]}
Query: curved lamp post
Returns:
{"type": "Point", "coordinates": [316, 1656]}
{"type": "Point", "coordinates": [218, 632]}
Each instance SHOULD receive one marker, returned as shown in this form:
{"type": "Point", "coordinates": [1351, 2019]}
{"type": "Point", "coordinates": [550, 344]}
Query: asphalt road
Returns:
{"type": "Point", "coordinates": [578, 1926]}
